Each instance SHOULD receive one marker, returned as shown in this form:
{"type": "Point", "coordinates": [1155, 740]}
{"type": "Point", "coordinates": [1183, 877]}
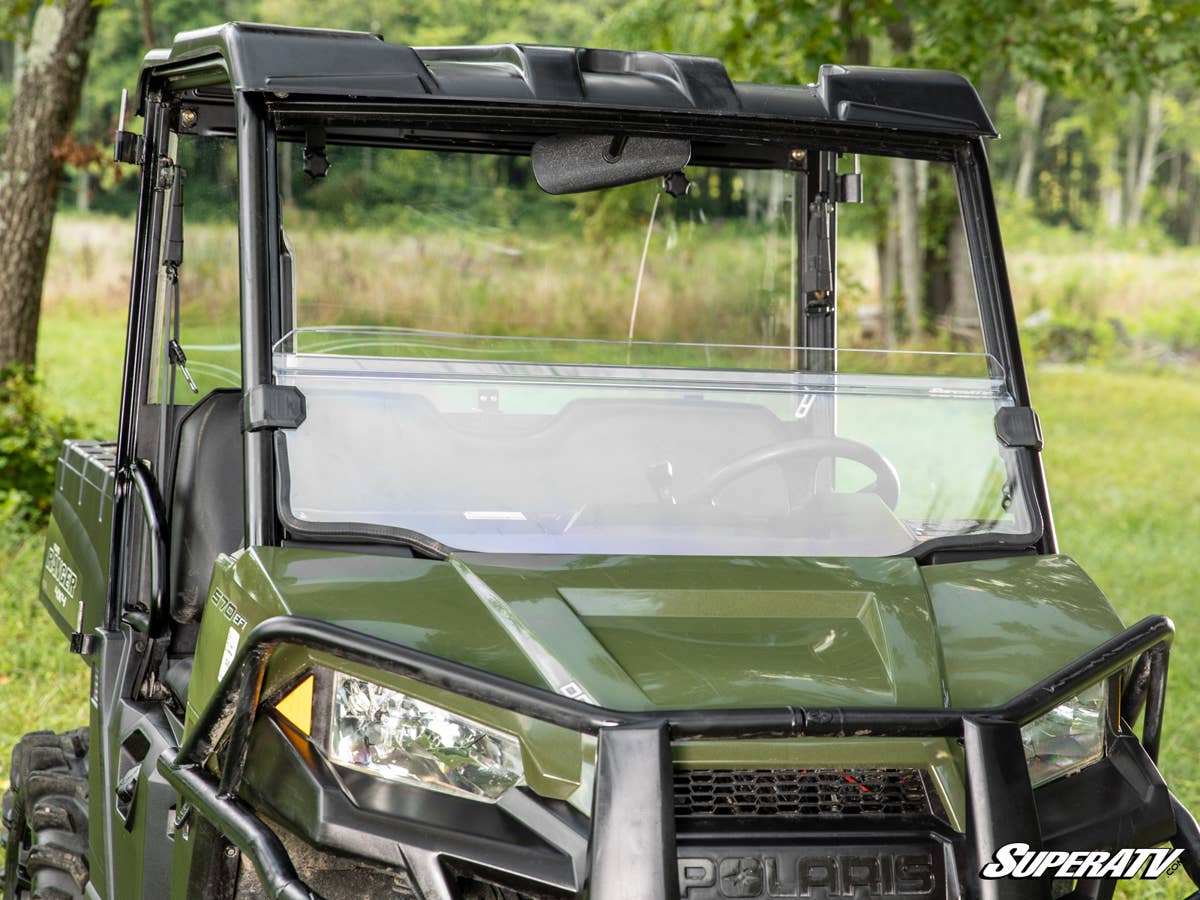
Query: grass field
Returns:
{"type": "Point", "coordinates": [732, 289]}
{"type": "Point", "coordinates": [1121, 456]}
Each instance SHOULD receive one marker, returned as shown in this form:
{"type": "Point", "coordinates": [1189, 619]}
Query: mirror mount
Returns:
{"type": "Point", "coordinates": [573, 163]}
{"type": "Point", "coordinates": [676, 184]}
{"type": "Point", "coordinates": [616, 148]}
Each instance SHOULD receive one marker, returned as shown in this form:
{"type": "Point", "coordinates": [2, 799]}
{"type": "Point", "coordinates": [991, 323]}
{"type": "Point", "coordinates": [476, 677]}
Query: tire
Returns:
{"type": "Point", "coordinates": [45, 817]}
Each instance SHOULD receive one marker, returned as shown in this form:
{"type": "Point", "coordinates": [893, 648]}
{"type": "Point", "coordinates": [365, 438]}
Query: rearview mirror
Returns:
{"type": "Point", "coordinates": [570, 163]}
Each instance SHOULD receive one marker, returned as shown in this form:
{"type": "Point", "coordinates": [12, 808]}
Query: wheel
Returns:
{"type": "Point", "coordinates": [886, 484]}
{"type": "Point", "coordinates": [45, 818]}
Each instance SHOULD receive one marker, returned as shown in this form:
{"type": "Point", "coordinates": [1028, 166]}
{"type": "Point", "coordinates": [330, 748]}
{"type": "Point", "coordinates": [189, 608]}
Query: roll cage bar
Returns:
{"type": "Point", "coordinates": [240, 81]}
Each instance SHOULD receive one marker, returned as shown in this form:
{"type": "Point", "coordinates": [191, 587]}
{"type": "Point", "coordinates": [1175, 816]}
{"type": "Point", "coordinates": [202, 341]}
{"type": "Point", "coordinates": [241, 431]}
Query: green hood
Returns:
{"type": "Point", "coordinates": [646, 632]}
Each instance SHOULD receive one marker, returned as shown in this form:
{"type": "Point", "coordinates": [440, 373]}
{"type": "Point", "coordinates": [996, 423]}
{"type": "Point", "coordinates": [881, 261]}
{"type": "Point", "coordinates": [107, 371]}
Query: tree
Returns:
{"type": "Point", "coordinates": [1058, 47]}
{"type": "Point", "coordinates": [40, 121]}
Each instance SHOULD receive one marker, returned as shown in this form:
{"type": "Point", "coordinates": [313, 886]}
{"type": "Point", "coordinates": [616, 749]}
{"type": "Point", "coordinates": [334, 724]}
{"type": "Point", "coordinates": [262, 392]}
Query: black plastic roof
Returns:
{"type": "Point", "coordinates": [322, 63]}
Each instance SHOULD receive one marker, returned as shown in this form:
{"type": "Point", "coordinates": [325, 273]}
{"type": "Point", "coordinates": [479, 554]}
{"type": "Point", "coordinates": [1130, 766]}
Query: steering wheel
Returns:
{"type": "Point", "coordinates": [886, 484]}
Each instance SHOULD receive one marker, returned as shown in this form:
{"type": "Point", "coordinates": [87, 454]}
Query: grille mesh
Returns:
{"type": "Point", "coordinates": [801, 793]}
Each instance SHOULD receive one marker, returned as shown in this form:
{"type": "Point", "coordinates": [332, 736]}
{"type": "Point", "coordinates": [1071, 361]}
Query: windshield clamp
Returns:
{"type": "Point", "coordinates": [1019, 426]}
{"type": "Point", "coordinates": [127, 146]}
{"type": "Point", "coordinates": [274, 406]}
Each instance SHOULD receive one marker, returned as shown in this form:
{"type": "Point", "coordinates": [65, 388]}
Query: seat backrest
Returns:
{"type": "Point", "coordinates": [206, 498]}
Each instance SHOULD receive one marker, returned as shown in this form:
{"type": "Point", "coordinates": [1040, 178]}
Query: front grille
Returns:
{"type": "Point", "coordinates": [803, 793]}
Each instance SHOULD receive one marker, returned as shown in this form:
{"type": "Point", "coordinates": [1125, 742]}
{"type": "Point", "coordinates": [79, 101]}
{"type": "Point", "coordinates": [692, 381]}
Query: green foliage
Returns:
{"type": "Point", "coordinates": [1065, 337]}
{"type": "Point", "coordinates": [6, 98]}
{"type": "Point", "coordinates": [449, 22]}
{"type": "Point", "coordinates": [15, 16]}
{"type": "Point", "coordinates": [1062, 43]}
{"type": "Point", "coordinates": [1177, 328]}
{"type": "Point", "coordinates": [30, 438]}
{"type": "Point", "coordinates": [421, 191]}
{"type": "Point", "coordinates": [1097, 59]}
{"type": "Point", "coordinates": [42, 685]}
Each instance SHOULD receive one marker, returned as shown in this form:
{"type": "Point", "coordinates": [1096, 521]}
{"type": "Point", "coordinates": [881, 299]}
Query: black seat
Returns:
{"type": "Point", "coordinates": [206, 504]}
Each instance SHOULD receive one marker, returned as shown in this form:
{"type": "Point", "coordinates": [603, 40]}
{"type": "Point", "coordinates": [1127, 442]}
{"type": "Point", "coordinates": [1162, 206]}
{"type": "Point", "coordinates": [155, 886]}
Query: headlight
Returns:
{"type": "Point", "coordinates": [1068, 737]}
{"type": "Point", "coordinates": [398, 737]}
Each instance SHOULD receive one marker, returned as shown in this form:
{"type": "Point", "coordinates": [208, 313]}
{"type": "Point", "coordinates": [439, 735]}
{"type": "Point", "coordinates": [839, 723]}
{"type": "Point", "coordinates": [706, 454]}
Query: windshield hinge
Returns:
{"type": "Point", "coordinates": [127, 146]}
{"type": "Point", "coordinates": [1019, 426]}
{"type": "Point", "coordinates": [849, 187]}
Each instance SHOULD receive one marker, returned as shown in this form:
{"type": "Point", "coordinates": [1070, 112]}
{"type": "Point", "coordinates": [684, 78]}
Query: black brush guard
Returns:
{"type": "Point", "coordinates": [633, 844]}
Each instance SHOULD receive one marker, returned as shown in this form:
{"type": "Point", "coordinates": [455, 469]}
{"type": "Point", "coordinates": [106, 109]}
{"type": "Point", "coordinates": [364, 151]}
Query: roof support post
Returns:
{"type": "Point", "coordinates": [257, 201]}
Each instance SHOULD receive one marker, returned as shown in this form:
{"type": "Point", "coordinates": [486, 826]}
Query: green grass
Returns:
{"type": "Point", "coordinates": [1123, 465]}
{"type": "Point", "coordinates": [41, 684]}
{"type": "Point", "coordinates": [1121, 458]}
{"type": "Point", "coordinates": [80, 357]}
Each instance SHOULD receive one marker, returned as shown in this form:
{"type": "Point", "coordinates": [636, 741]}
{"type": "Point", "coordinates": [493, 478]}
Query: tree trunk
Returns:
{"type": "Point", "coordinates": [1031, 103]}
{"type": "Point", "coordinates": [857, 38]}
{"type": "Point", "coordinates": [1148, 159]}
{"type": "Point", "coordinates": [1193, 231]}
{"type": "Point", "coordinates": [1174, 185]}
{"type": "Point", "coordinates": [908, 219]}
{"type": "Point", "coordinates": [41, 116]}
{"type": "Point", "coordinates": [148, 25]}
{"type": "Point", "coordinates": [776, 184]}
{"type": "Point", "coordinates": [1110, 184]}
{"type": "Point", "coordinates": [964, 308]}
{"type": "Point", "coordinates": [887, 249]}
{"type": "Point", "coordinates": [285, 174]}
{"type": "Point", "coordinates": [993, 83]}
{"type": "Point", "coordinates": [83, 191]}
{"type": "Point", "coordinates": [921, 167]}
{"type": "Point", "coordinates": [1132, 144]}
{"type": "Point", "coordinates": [6, 61]}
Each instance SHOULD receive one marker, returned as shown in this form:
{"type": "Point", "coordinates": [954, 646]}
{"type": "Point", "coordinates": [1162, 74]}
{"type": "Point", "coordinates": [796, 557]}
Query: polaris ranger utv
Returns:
{"type": "Point", "coordinates": [396, 584]}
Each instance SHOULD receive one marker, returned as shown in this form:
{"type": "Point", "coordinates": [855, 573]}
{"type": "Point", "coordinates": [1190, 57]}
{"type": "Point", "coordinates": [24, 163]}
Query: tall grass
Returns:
{"type": "Point", "coordinates": [717, 283]}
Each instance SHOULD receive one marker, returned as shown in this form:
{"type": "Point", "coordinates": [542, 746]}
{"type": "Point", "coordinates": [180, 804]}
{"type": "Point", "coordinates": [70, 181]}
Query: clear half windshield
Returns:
{"type": "Point", "coordinates": [531, 445]}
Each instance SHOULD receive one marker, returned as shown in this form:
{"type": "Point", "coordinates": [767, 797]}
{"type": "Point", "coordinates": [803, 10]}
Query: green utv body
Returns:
{"type": "Point", "coordinates": [760, 608]}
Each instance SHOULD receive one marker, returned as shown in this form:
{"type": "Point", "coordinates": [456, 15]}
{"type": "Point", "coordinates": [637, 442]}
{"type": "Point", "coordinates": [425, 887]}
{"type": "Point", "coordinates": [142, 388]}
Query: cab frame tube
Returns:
{"type": "Point", "coordinates": [257, 213]}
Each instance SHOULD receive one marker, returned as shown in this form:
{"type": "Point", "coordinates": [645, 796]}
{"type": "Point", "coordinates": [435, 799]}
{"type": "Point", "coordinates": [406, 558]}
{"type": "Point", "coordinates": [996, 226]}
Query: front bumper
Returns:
{"type": "Point", "coordinates": [631, 847]}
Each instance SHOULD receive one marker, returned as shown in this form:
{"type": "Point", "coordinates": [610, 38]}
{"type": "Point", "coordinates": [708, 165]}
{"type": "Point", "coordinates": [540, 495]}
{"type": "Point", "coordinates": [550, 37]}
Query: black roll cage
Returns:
{"type": "Point", "coordinates": [257, 121]}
